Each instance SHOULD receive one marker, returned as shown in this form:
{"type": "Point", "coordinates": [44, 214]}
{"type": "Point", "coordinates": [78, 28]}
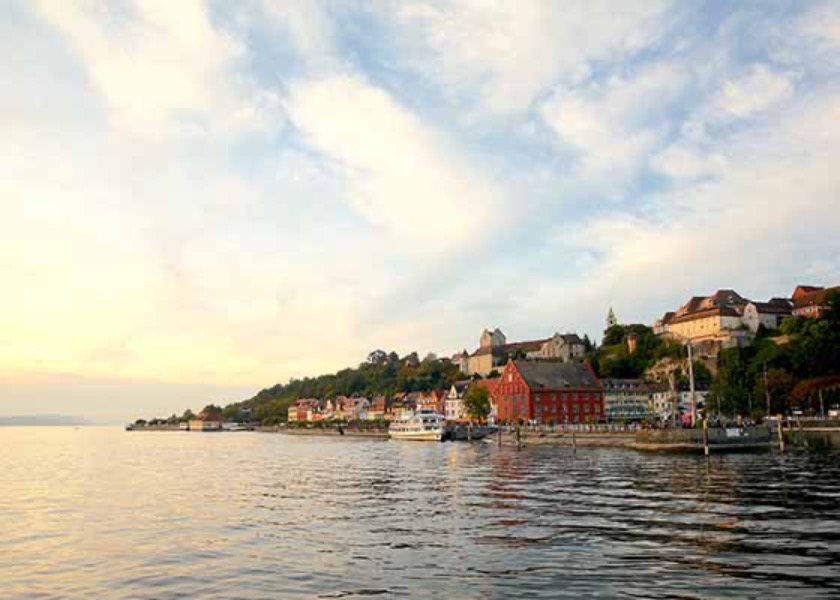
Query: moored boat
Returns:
{"type": "Point", "coordinates": [425, 424]}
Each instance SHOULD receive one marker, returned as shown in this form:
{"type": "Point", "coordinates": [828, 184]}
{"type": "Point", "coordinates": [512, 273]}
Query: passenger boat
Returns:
{"type": "Point", "coordinates": [425, 424]}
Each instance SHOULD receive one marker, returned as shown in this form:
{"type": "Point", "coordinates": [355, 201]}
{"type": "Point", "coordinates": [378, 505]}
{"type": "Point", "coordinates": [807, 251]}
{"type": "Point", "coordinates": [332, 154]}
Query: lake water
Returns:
{"type": "Point", "coordinates": [98, 512]}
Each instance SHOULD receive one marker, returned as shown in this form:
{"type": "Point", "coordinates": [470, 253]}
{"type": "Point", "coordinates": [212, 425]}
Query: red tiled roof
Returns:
{"type": "Point", "coordinates": [816, 298]}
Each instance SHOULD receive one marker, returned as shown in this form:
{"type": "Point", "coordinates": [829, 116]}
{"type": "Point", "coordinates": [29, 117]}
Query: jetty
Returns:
{"type": "Point", "coordinates": [716, 439]}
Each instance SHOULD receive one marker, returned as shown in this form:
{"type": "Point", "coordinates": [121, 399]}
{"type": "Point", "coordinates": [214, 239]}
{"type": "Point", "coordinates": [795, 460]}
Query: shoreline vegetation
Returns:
{"type": "Point", "coordinates": [790, 372]}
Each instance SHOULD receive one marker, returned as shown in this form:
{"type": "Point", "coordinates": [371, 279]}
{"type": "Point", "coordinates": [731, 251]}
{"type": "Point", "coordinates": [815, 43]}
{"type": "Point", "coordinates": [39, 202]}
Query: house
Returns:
{"type": "Point", "coordinates": [490, 386]}
{"type": "Point", "coordinates": [454, 401]}
{"type": "Point", "coordinates": [812, 302]}
{"type": "Point", "coordinates": [548, 392]}
{"type": "Point", "coordinates": [627, 400]}
{"type": "Point", "coordinates": [663, 400]}
{"type": "Point", "coordinates": [405, 403]}
{"type": "Point", "coordinates": [309, 409]}
{"type": "Point", "coordinates": [434, 399]}
{"type": "Point", "coordinates": [206, 422]}
{"type": "Point", "coordinates": [768, 314]}
{"type": "Point", "coordinates": [716, 318]}
{"type": "Point", "coordinates": [381, 408]}
{"type": "Point", "coordinates": [701, 394]}
{"type": "Point", "coordinates": [494, 351]}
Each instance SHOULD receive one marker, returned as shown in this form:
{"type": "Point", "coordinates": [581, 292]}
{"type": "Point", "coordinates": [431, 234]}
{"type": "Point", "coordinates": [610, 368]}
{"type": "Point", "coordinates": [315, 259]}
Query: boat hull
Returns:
{"type": "Point", "coordinates": [418, 436]}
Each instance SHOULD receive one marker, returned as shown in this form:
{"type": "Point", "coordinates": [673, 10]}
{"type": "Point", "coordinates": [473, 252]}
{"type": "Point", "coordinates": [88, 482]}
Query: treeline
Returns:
{"type": "Point", "coordinates": [382, 373]}
{"type": "Point", "coordinates": [797, 368]}
{"type": "Point", "coordinates": [613, 358]}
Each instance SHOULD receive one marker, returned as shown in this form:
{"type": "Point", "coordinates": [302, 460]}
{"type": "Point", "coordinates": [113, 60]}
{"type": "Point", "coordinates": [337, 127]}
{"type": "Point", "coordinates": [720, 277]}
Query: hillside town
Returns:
{"type": "Point", "coordinates": [666, 373]}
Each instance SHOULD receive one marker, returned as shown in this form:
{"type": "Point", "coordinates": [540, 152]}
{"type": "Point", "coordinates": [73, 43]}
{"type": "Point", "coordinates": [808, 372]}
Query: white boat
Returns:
{"type": "Point", "coordinates": [425, 424]}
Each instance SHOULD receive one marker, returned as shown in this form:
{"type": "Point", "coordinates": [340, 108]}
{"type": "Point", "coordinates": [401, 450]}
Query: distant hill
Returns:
{"type": "Point", "coordinates": [42, 420]}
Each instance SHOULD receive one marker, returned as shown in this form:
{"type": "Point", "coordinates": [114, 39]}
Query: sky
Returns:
{"type": "Point", "coordinates": [199, 199]}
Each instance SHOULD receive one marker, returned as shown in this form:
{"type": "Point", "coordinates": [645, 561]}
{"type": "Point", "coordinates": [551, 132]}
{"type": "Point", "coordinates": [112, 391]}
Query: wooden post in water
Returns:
{"type": "Point", "coordinates": [705, 434]}
{"type": "Point", "coordinates": [781, 437]}
{"type": "Point", "coordinates": [574, 442]}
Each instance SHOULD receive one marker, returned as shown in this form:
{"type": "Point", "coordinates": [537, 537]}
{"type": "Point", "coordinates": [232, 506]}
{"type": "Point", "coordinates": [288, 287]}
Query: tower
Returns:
{"type": "Point", "coordinates": [611, 320]}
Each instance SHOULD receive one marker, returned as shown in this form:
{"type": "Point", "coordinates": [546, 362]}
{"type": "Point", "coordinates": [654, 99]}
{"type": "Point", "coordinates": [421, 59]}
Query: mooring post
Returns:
{"type": "Point", "coordinates": [705, 435]}
{"type": "Point", "coordinates": [781, 436]}
{"type": "Point", "coordinates": [574, 443]}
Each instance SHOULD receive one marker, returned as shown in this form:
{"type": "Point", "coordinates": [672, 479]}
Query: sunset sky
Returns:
{"type": "Point", "coordinates": [201, 199]}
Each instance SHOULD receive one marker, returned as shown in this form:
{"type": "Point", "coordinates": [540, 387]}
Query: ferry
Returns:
{"type": "Point", "coordinates": [425, 424]}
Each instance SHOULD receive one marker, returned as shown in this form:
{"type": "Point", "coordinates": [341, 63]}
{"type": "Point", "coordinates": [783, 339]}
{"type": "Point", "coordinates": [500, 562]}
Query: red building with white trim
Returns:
{"type": "Point", "coordinates": [549, 392]}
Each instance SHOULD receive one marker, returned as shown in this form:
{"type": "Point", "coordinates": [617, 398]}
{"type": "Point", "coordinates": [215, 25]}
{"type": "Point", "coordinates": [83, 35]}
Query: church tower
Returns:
{"type": "Point", "coordinates": [611, 320]}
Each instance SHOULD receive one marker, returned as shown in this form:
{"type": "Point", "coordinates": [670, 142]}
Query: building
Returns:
{"type": "Point", "coordinates": [206, 424]}
{"type": "Point", "coordinates": [812, 302]}
{"type": "Point", "coordinates": [454, 401]}
{"type": "Point", "coordinates": [308, 409]}
{"type": "Point", "coordinates": [611, 320]}
{"type": "Point", "coordinates": [663, 400]}
{"type": "Point", "coordinates": [716, 318]}
{"type": "Point", "coordinates": [627, 400]}
{"type": "Point", "coordinates": [548, 392]}
{"type": "Point", "coordinates": [701, 394]}
{"type": "Point", "coordinates": [494, 351]}
{"type": "Point", "coordinates": [725, 319]}
{"type": "Point", "coordinates": [381, 408]}
{"type": "Point", "coordinates": [767, 314]}
{"type": "Point", "coordinates": [434, 399]}
{"type": "Point", "coordinates": [490, 386]}
{"type": "Point", "coordinates": [350, 408]}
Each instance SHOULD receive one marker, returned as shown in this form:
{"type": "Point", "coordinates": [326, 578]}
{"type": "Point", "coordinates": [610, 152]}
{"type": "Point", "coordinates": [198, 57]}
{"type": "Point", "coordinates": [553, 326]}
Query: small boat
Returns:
{"type": "Point", "coordinates": [425, 424]}
{"type": "Point", "coordinates": [465, 433]}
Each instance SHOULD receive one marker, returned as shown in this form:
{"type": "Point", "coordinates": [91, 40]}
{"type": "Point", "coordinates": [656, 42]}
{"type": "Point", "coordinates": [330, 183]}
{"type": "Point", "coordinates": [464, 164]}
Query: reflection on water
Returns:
{"type": "Point", "coordinates": [105, 513]}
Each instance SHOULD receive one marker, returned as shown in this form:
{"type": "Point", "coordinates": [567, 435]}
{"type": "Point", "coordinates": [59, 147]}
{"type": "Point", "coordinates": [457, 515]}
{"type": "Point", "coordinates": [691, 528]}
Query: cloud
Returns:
{"type": "Point", "coordinates": [754, 227]}
{"type": "Point", "coordinates": [756, 91]}
{"type": "Point", "coordinates": [615, 124]}
{"type": "Point", "coordinates": [161, 67]}
{"type": "Point", "coordinates": [404, 178]}
{"type": "Point", "coordinates": [508, 53]}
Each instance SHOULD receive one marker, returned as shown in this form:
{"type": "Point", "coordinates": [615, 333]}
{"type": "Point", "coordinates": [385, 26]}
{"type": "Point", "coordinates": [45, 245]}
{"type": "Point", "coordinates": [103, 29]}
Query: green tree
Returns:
{"type": "Point", "coordinates": [780, 385]}
{"type": "Point", "coordinates": [729, 392]}
{"type": "Point", "coordinates": [477, 403]}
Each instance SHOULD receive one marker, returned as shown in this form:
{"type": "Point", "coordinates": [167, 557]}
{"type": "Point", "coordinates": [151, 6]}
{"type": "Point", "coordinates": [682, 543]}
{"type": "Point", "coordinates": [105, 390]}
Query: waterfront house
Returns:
{"type": "Point", "coordinates": [489, 385]}
{"type": "Point", "coordinates": [454, 401]}
{"type": "Point", "coordinates": [205, 424]}
{"type": "Point", "coordinates": [548, 392]}
{"type": "Point", "coordinates": [381, 408]}
{"type": "Point", "coordinates": [433, 399]}
{"type": "Point", "coordinates": [663, 400]}
{"type": "Point", "coordinates": [627, 400]}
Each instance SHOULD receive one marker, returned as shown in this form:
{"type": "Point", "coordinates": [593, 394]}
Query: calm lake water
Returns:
{"type": "Point", "coordinates": [98, 512]}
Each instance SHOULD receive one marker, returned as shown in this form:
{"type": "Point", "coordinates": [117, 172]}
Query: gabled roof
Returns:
{"type": "Point", "coordinates": [776, 306]}
{"type": "Point", "coordinates": [817, 298]}
{"type": "Point", "coordinates": [556, 376]}
{"type": "Point", "coordinates": [803, 290]}
{"type": "Point", "coordinates": [487, 384]}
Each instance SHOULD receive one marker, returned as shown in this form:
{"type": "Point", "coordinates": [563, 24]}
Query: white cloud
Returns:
{"type": "Point", "coordinates": [823, 24]}
{"type": "Point", "coordinates": [402, 177]}
{"type": "Point", "coordinates": [758, 90]}
{"type": "Point", "coordinates": [507, 53]}
{"type": "Point", "coordinates": [615, 124]}
{"type": "Point", "coordinates": [768, 215]}
{"type": "Point", "coordinates": [161, 67]}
